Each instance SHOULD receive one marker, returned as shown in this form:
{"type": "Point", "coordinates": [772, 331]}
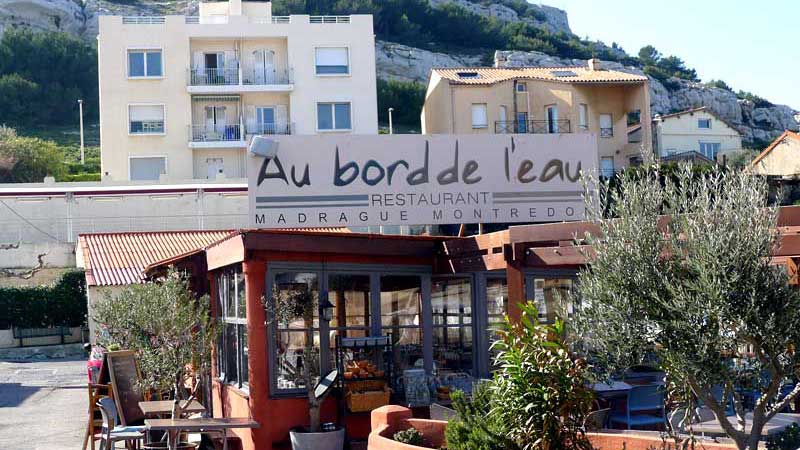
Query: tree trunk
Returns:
{"type": "Point", "coordinates": [313, 404]}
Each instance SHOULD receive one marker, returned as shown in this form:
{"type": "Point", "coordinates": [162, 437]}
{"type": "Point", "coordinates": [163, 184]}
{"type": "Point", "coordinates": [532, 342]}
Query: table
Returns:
{"type": "Point", "coordinates": [210, 425]}
{"type": "Point", "coordinates": [164, 407]}
{"type": "Point", "coordinates": [608, 389]}
{"type": "Point", "coordinates": [778, 423]}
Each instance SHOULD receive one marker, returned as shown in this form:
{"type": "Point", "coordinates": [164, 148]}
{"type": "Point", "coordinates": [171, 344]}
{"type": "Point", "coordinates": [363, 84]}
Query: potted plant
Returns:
{"type": "Point", "coordinates": [170, 330]}
{"type": "Point", "coordinates": [298, 301]}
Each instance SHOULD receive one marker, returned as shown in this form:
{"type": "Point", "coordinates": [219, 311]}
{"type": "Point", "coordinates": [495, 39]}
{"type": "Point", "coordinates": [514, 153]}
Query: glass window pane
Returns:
{"type": "Point", "coordinates": [342, 116]}
{"type": "Point", "coordinates": [241, 311]}
{"type": "Point", "coordinates": [243, 367]}
{"type": "Point", "coordinates": [350, 297]}
{"type": "Point", "coordinates": [552, 297]}
{"type": "Point", "coordinates": [451, 301]}
{"type": "Point", "coordinates": [135, 64]}
{"type": "Point", "coordinates": [452, 349]}
{"type": "Point", "coordinates": [324, 116]}
{"type": "Point", "coordinates": [291, 359]}
{"type": "Point", "coordinates": [230, 294]}
{"type": "Point", "coordinates": [496, 299]}
{"type": "Point", "coordinates": [401, 299]}
{"type": "Point", "coordinates": [153, 64]}
{"type": "Point", "coordinates": [231, 355]}
{"type": "Point", "coordinates": [298, 293]}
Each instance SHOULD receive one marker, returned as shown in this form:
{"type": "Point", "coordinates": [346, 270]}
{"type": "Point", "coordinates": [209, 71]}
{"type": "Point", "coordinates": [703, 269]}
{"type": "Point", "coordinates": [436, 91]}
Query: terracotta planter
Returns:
{"type": "Point", "coordinates": [323, 440]}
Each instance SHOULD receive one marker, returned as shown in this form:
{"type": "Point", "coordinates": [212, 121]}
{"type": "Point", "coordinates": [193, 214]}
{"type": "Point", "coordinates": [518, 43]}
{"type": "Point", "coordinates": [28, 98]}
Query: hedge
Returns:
{"type": "Point", "coordinates": [61, 304]}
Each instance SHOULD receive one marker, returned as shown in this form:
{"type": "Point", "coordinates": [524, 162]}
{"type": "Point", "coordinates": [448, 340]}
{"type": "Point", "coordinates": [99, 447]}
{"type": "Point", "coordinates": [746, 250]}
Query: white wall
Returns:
{"type": "Point", "coordinates": [681, 134]}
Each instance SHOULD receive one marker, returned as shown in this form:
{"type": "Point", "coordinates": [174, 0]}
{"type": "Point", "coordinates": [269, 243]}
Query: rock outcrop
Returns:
{"type": "Point", "coordinates": [548, 17]}
{"type": "Point", "coordinates": [756, 124]}
{"type": "Point", "coordinates": [404, 63]}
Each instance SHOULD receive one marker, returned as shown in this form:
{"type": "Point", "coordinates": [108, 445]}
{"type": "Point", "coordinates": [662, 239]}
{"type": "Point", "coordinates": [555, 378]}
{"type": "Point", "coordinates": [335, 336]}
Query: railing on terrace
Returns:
{"type": "Point", "coordinates": [215, 133]}
{"type": "Point", "coordinates": [260, 76]}
{"type": "Point", "coordinates": [532, 126]}
{"type": "Point", "coordinates": [270, 128]}
{"type": "Point", "coordinates": [143, 20]}
{"type": "Point", "coordinates": [281, 19]}
{"type": "Point", "coordinates": [214, 77]}
{"type": "Point", "coordinates": [192, 20]}
{"type": "Point", "coordinates": [329, 19]}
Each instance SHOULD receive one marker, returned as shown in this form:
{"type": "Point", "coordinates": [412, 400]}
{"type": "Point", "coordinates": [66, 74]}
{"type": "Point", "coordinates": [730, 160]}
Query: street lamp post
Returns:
{"type": "Point", "coordinates": [80, 112]}
{"type": "Point", "coordinates": [391, 130]}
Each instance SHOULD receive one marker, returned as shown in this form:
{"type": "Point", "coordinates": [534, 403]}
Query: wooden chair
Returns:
{"type": "Point", "coordinates": [95, 420]}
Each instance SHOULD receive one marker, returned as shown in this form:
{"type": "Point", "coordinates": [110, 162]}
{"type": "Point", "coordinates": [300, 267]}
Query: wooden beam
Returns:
{"type": "Point", "coordinates": [341, 244]}
{"type": "Point", "coordinates": [476, 244]}
{"type": "Point", "coordinates": [555, 256]}
{"type": "Point", "coordinates": [478, 263]}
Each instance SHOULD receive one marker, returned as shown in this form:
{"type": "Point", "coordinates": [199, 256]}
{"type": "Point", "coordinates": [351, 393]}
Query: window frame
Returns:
{"type": "Point", "coordinates": [333, 117]}
{"type": "Point", "coordinates": [522, 87]}
{"type": "Point", "coordinates": [706, 120]}
{"type": "Point", "coordinates": [145, 156]}
{"type": "Point", "coordinates": [472, 110]}
{"type": "Point", "coordinates": [375, 328]}
{"type": "Point", "coordinates": [550, 274]}
{"type": "Point", "coordinates": [583, 116]}
{"type": "Point", "coordinates": [223, 320]}
{"type": "Point", "coordinates": [163, 131]}
{"type": "Point", "coordinates": [144, 51]}
{"type": "Point", "coordinates": [472, 326]}
{"type": "Point", "coordinates": [328, 75]}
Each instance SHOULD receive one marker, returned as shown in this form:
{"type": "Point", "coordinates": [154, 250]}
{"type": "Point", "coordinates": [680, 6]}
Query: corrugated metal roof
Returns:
{"type": "Point", "coordinates": [119, 258]}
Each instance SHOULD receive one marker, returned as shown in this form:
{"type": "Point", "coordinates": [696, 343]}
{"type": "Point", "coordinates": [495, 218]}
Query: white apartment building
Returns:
{"type": "Point", "coordinates": [181, 96]}
{"type": "Point", "coordinates": [695, 131]}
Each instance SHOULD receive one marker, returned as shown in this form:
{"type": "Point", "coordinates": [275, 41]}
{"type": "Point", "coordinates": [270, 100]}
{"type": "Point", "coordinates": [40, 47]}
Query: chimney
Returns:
{"type": "Point", "coordinates": [499, 59]}
{"type": "Point", "coordinates": [594, 64]}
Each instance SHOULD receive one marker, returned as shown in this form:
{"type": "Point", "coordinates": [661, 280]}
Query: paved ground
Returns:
{"type": "Point", "coordinates": [43, 404]}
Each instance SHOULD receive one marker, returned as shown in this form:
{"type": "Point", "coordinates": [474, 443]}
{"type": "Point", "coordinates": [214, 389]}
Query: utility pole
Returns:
{"type": "Point", "coordinates": [391, 130]}
{"type": "Point", "coordinates": [80, 112]}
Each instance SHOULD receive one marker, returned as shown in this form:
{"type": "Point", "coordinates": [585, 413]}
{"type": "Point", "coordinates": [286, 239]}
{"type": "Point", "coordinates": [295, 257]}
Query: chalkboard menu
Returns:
{"type": "Point", "coordinates": [124, 374]}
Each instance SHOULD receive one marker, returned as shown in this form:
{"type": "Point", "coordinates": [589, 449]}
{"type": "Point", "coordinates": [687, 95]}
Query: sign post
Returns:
{"type": "Point", "coordinates": [360, 180]}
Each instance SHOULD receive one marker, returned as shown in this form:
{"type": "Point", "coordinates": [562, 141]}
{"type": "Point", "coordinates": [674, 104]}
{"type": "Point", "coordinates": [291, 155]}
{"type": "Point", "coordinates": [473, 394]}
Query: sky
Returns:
{"type": "Point", "coordinates": [751, 45]}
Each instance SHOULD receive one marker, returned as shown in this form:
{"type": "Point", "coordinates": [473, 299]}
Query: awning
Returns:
{"type": "Point", "coordinates": [215, 98]}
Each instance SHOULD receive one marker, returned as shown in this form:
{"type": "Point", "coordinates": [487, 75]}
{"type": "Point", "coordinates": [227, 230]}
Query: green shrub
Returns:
{"type": "Point", "coordinates": [62, 304]}
{"type": "Point", "coordinates": [788, 439]}
{"type": "Point", "coordinates": [411, 436]}
{"type": "Point", "coordinates": [405, 97]}
{"type": "Point", "coordinates": [77, 177]}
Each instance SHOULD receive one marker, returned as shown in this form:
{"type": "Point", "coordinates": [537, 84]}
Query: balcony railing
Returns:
{"type": "Point", "coordinates": [214, 77]}
{"type": "Point", "coordinates": [260, 76]}
{"type": "Point", "coordinates": [532, 126]}
{"type": "Point", "coordinates": [270, 128]}
{"type": "Point", "coordinates": [143, 20]}
{"type": "Point", "coordinates": [215, 133]}
{"type": "Point", "coordinates": [606, 132]}
{"type": "Point", "coordinates": [329, 19]}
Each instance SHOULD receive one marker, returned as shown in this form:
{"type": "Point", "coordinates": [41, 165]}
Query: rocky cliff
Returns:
{"type": "Point", "coordinates": [401, 62]}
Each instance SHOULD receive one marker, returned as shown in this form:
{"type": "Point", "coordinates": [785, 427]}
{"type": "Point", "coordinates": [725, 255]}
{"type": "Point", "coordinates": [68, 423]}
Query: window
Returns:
{"type": "Point", "coordinates": [522, 87]}
{"type": "Point", "coordinates": [710, 149]}
{"type": "Point", "coordinates": [607, 166]}
{"type": "Point", "coordinates": [146, 119]}
{"type": "Point", "coordinates": [291, 330]}
{"type": "Point", "coordinates": [522, 122]}
{"type": "Point", "coordinates": [551, 296]}
{"type": "Point", "coordinates": [332, 61]}
{"type": "Point", "coordinates": [333, 116]}
{"type": "Point", "coordinates": [583, 115]}
{"type": "Point", "coordinates": [551, 112]}
{"type": "Point", "coordinates": [147, 168]}
{"type": "Point", "coordinates": [606, 126]}
{"type": "Point", "coordinates": [401, 306]}
{"type": "Point", "coordinates": [350, 296]}
{"type": "Point", "coordinates": [704, 123]}
{"type": "Point", "coordinates": [144, 63]}
{"type": "Point", "coordinates": [451, 301]}
{"type": "Point", "coordinates": [479, 118]}
{"type": "Point", "coordinates": [232, 344]}
{"type": "Point", "coordinates": [496, 310]}
{"type": "Point", "coordinates": [265, 120]}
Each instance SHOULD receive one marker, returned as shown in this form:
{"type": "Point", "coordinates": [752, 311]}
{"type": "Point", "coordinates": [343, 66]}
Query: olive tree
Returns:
{"type": "Point", "coordinates": [679, 268]}
{"type": "Point", "coordinates": [171, 331]}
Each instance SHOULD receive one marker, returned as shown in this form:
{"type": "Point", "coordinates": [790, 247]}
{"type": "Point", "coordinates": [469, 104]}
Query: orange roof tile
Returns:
{"type": "Point", "coordinates": [577, 75]}
{"type": "Point", "coordinates": [119, 258]}
{"type": "Point", "coordinates": [786, 135]}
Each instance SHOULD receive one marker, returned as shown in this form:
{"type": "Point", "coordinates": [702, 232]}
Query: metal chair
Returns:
{"type": "Point", "coordinates": [596, 420]}
{"type": "Point", "coordinates": [645, 406]}
{"type": "Point", "coordinates": [112, 433]}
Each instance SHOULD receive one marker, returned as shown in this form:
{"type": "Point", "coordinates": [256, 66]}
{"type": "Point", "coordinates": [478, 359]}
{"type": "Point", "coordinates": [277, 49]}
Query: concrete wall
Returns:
{"type": "Point", "coordinates": [95, 294]}
{"type": "Point", "coordinates": [234, 27]}
{"type": "Point", "coordinates": [783, 160]}
{"type": "Point", "coordinates": [681, 134]}
{"type": "Point", "coordinates": [59, 212]}
{"type": "Point", "coordinates": [7, 339]}
{"type": "Point", "coordinates": [448, 109]}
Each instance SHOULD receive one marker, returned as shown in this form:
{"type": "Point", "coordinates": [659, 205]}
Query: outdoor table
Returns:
{"type": "Point", "coordinates": [614, 388]}
{"type": "Point", "coordinates": [210, 425]}
{"type": "Point", "coordinates": [158, 408]}
{"type": "Point", "coordinates": [778, 423]}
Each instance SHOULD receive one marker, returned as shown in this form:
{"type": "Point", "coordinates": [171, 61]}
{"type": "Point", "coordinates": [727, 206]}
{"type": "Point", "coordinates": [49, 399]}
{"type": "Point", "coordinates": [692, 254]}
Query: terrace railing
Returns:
{"type": "Point", "coordinates": [532, 126]}
{"type": "Point", "coordinates": [215, 133]}
{"type": "Point", "coordinates": [270, 129]}
{"type": "Point", "coordinates": [214, 77]}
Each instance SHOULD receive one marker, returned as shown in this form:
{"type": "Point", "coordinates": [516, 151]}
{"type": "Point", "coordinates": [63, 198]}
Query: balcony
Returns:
{"type": "Point", "coordinates": [228, 80]}
{"type": "Point", "coordinates": [216, 136]}
{"type": "Point", "coordinates": [269, 129]}
{"type": "Point", "coordinates": [532, 126]}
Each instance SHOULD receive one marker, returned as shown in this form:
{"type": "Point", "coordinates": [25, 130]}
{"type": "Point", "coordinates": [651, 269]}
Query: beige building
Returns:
{"type": "Point", "coordinates": [695, 130]}
{"type": "Point", "coordinates": [781, 158]}
{"type": "Point", "coordinates": [543, 100]}
{"type": "Point", "coordinates": [180, 97]}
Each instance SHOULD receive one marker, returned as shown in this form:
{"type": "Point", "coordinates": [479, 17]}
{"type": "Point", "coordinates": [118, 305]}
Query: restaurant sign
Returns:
{"type": "Point", "coordinates": [361, 180]}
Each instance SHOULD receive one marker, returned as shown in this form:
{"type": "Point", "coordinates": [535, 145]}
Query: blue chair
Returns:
{"type": "Point", "coordinates": [112, 432]}
{"type": "Point", "coordinates": [645, 406]}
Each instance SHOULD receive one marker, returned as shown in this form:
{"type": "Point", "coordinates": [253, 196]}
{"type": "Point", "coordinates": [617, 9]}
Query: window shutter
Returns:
{"type": "Point", "coordinates": [479, 118]}
{"type": "Point", "coordinates": [332, 56]}
{"type": "Point", "coordinates": [230, 59]}
{"type": "Point", "coordinates": [140, 113]}
{"type": "Point", "coordinates": [281, 118]}
{"type": "Point", "coordinates": [250, 119]}
{"type": "Point", "coordinates": [199, 61]}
